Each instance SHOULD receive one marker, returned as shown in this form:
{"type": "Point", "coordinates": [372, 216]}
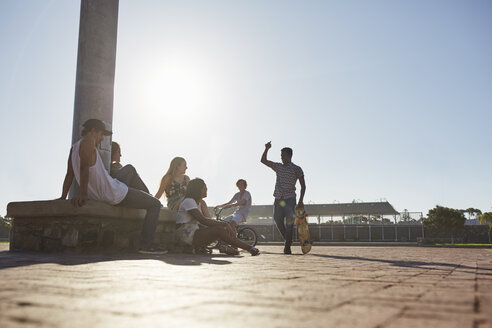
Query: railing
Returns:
{"type": "Point", "coordinates": [349, 232]}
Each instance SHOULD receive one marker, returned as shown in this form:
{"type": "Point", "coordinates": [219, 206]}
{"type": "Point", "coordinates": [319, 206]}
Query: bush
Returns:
{"type": "Point", "coordinates": [5, 225]}
{"type": "Point", "coordinates": [446, 220]}
{"type": "Point", "coordinates": [486, 218]}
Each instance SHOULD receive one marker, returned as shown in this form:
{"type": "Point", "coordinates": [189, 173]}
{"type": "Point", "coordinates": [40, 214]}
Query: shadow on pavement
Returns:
{"type": "Point", "coordinates": [411, 264]}
{"type": "Point", "coordinates": [19, 259]}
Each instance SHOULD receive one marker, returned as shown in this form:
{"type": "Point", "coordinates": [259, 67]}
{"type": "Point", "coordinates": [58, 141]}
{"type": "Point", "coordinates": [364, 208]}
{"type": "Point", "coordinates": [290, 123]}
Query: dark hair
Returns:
{"type": "Point", "coordinates": [287, 151]}
{"type": "Point", "coordinates": [242, 180]}
{"type": "Point", "coordinates": [115, 147]}
{"type": "Point", "coordinates": [98, 125]}
{"type": "Point", "coordinates": [86, 130]}
{"type": "Point", "coordinates": [194, 189]}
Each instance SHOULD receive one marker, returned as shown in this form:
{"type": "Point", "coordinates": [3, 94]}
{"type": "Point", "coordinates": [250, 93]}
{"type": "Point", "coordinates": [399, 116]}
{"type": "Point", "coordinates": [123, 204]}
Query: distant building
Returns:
{"type": "Point", "coordinates": [352, 213]}
{"type": "Point", "coordinates": [471, 222]}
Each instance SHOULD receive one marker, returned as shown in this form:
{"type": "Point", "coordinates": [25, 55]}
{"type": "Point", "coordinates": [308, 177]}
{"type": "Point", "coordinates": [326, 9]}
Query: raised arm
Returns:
{"type": "Point", "coordinates": [68, 177]}
{"type": "Point", "coordinates": [264, 159]}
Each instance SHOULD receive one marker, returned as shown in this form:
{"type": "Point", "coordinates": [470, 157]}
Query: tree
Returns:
{"type": "Point", "coordinates": [486, 218]}
{"type": "Point", "coordinates": [472, 212]}
{"type": "Point", "coordinates": [5, 225]}
{"type": "Point", "coordinates": [447, 219]}
{"type": "Point", "coordinates": [405, 216]}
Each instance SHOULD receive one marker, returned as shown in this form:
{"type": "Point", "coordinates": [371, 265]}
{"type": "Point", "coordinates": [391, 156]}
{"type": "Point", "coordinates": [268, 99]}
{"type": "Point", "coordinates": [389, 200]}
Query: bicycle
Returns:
{"type": "Point", "coordinates": [245, 234]}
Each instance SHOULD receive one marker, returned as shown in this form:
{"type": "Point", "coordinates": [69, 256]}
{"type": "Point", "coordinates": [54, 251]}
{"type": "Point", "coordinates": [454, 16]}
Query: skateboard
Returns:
{"type": "Point", "coordinates": [303, 230]}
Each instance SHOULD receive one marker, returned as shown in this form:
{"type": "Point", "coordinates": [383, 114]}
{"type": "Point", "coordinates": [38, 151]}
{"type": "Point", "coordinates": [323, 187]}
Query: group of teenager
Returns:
{"type": "Point", "coordinates": [122, 186]}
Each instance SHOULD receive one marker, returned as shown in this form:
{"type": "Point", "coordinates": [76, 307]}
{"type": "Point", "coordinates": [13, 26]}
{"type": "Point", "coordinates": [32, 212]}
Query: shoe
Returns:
{"type": "Point", "coordinates": [287, 250]}
{"type": "Point", "coordinates": [201, 250]}
{"type": "Point", "coordinates": [254, 251]}
{"type": "Point", "coordinates": [153, 251]}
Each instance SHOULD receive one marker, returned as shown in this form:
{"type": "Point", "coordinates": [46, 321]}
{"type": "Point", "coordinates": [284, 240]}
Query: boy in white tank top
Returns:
{"type": "Point", "coordinates": [86, 166]}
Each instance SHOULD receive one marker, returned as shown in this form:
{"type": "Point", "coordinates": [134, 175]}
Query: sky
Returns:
{"type": "Point", "coordinates": [380, 100]}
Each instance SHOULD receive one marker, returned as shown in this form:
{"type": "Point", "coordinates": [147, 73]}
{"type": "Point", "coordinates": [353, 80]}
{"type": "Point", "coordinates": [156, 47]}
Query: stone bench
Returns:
{"type": "Point", "coordinates": [56, 225]}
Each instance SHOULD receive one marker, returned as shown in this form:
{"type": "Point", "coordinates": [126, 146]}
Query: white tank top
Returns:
{"type": "Point", "coordinates": [101, 185]}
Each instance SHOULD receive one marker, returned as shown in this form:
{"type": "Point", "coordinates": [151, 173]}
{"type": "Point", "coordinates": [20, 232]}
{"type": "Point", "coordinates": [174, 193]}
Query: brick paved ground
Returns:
{"type": "Point", "coordinates": [334, 286]}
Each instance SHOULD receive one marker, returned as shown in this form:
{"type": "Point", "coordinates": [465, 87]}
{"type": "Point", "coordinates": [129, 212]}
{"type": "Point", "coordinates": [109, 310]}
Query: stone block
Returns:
{"type": "Point", "coordinates": [52, 226]}
{"type": "Point", "coordinates": [70, 238]}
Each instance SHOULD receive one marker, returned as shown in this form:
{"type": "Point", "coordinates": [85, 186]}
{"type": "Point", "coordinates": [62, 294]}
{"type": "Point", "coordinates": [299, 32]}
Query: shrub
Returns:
{"type": "Point", "coordinates": [446, 220]}
{"type": "Point", "coordinates": [5, 225]}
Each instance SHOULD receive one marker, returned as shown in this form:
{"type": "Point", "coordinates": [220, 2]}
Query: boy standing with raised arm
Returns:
{"type": "Point", "coordinates": [285, 192]}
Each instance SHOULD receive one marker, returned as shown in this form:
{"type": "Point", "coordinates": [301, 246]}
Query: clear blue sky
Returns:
{"type": "Point", "coordinates": [378, 99]}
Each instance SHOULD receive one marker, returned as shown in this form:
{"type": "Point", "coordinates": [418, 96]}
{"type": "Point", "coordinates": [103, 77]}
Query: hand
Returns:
{"type": "Point", "coordinates": [79, 201]}
{"type": "Point", "coordinates": [300, 204]}
{"type": "Point", "coordinates": [268, 145]}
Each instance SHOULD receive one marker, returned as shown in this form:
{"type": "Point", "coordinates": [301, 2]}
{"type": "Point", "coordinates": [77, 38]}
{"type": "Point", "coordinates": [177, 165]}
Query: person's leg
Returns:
{"type": "Point", "coordinates": [232, 220]}
{"type": "Point", "coordinates": [208, 235]}
{"type": "Point", "coordinates": [124, 174]}
{"type": "Point", "coordinates": [278, 216]}
{"type": "Point", "coordinates": [290, 218]}
{"type": "Point", "coordinates": [140, 199]}
{"type": "Point", "coordinates": [129, 176]}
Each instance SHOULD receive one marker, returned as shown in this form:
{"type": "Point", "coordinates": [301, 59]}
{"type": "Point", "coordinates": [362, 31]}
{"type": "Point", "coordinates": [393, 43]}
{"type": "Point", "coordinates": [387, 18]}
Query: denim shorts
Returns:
{"type": "Point", "coordinates": [186, 231]}
{"type": "Point", "coordinates": [236, 217]}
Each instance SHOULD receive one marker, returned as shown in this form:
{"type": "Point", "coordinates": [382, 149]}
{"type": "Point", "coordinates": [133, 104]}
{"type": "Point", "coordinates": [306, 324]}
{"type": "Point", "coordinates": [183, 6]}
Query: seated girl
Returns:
{"type": "Point", "coordinates": [174, 183]}
{"type": "Point", "coordinates": [194, 229]}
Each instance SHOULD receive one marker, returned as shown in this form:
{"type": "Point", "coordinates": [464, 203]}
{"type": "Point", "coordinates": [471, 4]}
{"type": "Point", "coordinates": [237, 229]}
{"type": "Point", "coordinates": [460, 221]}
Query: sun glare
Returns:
{"type": "Point", "coordinates": [175, 91]}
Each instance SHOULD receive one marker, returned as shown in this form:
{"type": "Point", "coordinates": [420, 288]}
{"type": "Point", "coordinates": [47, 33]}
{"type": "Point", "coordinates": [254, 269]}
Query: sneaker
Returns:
{"type": "Point", "coordinates": [153, 251]}
{"type": "Point", "coordinates": [201, 250]}
{"type": "Point", "coordinates": [287, 250]}
{"type": "Point", "coordinates": [254, 251]}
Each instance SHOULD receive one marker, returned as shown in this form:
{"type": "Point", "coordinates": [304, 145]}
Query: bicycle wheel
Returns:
{"type": "Point", "coordinates": [247, 236]}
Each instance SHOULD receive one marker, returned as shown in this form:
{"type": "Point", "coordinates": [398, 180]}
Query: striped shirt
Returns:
{"type": "Point", "coordinates": [287, 175]}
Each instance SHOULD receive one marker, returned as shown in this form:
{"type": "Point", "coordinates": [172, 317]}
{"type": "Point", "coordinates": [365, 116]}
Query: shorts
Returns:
{"type": "Point", "coordinates": [236, 217]}
{"type": "Point", "coordinates": [186, 231]}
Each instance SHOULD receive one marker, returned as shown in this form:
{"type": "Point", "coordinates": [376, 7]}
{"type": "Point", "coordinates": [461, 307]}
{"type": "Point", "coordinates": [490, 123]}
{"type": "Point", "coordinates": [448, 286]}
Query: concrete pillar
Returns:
{"type": "Point", "coordinates": [96, 61]}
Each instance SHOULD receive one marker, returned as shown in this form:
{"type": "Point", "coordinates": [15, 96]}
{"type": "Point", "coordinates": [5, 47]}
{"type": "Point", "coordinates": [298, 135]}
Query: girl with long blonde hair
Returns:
{"type": "Point", "coordinates": [174, 183]}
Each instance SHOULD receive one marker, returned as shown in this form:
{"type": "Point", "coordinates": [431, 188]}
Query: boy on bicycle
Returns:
{"type": "Point", "coordinates": [242, 199]}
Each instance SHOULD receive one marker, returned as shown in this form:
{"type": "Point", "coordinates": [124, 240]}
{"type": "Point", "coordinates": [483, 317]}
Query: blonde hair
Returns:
{"type": "Point", "coordinates": [173, 167]}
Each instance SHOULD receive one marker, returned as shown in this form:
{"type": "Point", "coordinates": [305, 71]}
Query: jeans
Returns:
{"type": "Point", "coordinates": [284, 216]}
{"type": "Point", "coordinates": [129, 176]}
{"type": "Point", "coordinates": [139, 199]}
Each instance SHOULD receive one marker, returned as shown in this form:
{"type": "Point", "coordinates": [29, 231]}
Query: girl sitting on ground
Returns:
{"type": "Point", "coordinates": [194, 229]}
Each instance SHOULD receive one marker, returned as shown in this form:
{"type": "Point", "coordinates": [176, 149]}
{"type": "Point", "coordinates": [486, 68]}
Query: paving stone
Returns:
{"type": "Point", "coordinates": [333, 286]}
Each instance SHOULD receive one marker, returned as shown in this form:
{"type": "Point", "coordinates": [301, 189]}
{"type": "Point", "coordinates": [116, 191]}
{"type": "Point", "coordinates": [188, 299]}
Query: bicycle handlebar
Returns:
{"type": "Point", "coordinates": [217, 211]}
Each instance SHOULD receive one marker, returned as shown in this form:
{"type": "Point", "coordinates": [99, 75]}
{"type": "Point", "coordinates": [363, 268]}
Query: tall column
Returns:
{"type": "Point", "coordinates": [96, 59]}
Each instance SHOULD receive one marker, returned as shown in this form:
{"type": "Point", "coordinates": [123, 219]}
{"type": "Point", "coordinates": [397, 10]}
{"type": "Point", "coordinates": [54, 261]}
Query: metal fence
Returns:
{"type": "Point", "coordinates": [349, 232]}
